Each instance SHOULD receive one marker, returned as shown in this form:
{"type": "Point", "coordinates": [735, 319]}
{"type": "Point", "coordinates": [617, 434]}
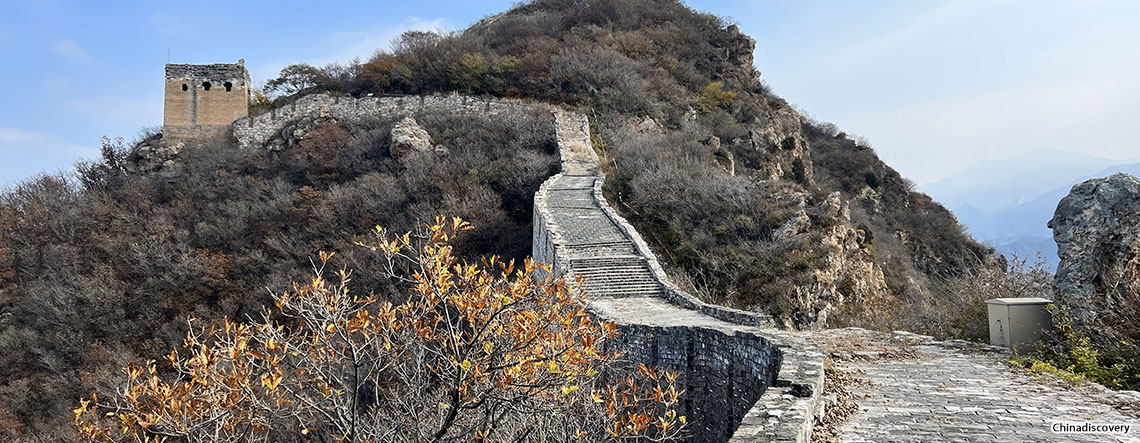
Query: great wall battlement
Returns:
{"type": "Point", "coordinates": [743, 381]}
{"type": "Point", "coordinates": [256, 130]}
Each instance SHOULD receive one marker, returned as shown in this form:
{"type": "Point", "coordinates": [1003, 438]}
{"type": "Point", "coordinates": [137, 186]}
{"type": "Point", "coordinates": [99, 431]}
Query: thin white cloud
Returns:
{"type": "Point", "coordinates": [924, 25]}
{"type": "Point", "coordinates": [24, 154]}
{"type": "Point", "coordinates": [1076, 92]}
{"type": "Point", "coordinates": [13, 136]}
{"type": "Point", "coordinates": [935, 139]}
{"type": "Point", "coordinates": [57, 84]}
{"type": "Point", "coordinates": [144, 109]}
{"type": "Point", "coordinates": [70, 50]}
{"type": "Point", "coordinates": [13, 139]}
{"type": "Point", "coordinates": [169, 24]}
{"type": "Point", "coordinates": [363, 44]}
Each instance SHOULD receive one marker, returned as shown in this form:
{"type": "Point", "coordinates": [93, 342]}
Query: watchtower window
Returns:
{"type": "Point", "coordinates": [185, 88]}
{"type": "Point", "coordinates": [229, 87]}
{"type": "Point", "coordinates": [206, 85]}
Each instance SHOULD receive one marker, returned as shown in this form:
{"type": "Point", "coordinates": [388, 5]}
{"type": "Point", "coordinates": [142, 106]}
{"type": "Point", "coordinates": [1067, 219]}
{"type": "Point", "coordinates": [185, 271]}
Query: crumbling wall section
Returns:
{"type": "Point", "coordinates": [257, 130]}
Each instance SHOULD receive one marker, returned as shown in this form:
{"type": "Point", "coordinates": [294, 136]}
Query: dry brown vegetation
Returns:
{"type": "Point", "coordinates": [105, 269]}
{"type": "Point", "coordinates": [477, 352]}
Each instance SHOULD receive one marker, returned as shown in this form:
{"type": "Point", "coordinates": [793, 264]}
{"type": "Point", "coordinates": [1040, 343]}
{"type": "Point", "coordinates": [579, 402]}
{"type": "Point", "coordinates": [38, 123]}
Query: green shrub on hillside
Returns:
{"type": "Point", "coordinates": [714, 96]}
{"type": "Point", "coordinates": [1069, 354]}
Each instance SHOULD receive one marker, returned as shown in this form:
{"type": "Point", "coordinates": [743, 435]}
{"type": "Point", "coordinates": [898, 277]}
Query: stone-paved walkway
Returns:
{"type": "Point", "coordinates": [925, 390]}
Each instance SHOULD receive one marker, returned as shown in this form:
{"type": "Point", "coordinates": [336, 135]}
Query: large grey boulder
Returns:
{"type": "Point", "coordinates": [408, 136]}
{"type": "Point", "coordinates": [1097, 230]}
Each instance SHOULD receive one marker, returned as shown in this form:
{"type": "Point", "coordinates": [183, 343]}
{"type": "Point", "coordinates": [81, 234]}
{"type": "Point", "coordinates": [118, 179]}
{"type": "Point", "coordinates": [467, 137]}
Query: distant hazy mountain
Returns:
{"type": "Point", "coordinates": [994, 186]}
{"type": "Point", "coordinates": [1008, 203]}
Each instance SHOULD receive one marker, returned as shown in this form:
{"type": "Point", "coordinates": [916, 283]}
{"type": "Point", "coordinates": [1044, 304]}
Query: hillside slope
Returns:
{"type": "Point", "coordinates": [107, 269]}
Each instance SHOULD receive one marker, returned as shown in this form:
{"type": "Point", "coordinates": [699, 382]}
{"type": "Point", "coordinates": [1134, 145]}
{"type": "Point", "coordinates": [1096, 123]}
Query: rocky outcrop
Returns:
{"type": "Point", "coordinates": [408, 136]}
{"type": "Point", "coordinates": [154, 154]}
{"type": "Point", "coordinates": [740, 48]}
{"type": "Point", "coordinates": [292, 133]}
{"type": "Point", "coordinates": [848, 274]}
{"type": "Point", "coordinates": [796, 225]}
{"type": "Point", "coordinates": [646, 125]}
{"type": "Point", "coordinates": [778, 132]}
{"type": "Point", "coordinates": [1097, 230]}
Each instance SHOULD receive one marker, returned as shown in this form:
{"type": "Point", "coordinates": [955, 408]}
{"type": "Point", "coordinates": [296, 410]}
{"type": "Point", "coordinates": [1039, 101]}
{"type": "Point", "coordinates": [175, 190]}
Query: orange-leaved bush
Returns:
{"type": "Point", "coordinates": [477, 352]}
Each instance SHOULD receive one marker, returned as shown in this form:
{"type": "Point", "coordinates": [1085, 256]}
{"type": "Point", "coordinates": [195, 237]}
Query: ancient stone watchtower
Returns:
{"type": "Point", "coordinates": [203, 100]}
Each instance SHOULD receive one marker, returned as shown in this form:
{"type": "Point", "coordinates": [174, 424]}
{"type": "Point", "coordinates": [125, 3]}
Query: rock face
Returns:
{"type": "Point", "coordinates": [778, 132]}
{"type": "Point", "coordinates": [740, 48]}
{"type": "Point", "coordinates": [1097, 230]}
{"type": "Point", "coordinates": [848, 274]}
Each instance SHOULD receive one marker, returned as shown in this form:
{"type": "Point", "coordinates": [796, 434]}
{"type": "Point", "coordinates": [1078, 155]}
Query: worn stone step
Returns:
{"type": "Point", "coordinates": [617, 259]}
{"type": "Point", "coordinates": [628, 273]}
{"type": "Point", "coordinates": [632, 285]}
{"type": "Point", "coordinates": [602, 293]}
{"type": "Point", "coordinates": [574, 182]}
{"type": "Point", "coordinates": [594, 250]}
{"type": "Point", "coordinates": [625, 275]}
{"type": "Point", "coordinates": [623, 288]}
{"type": "Point", "coordinates": [614, 270]}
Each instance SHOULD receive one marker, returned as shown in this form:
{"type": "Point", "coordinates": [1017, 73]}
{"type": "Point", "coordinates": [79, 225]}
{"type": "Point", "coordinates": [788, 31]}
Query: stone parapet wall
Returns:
{"type": "Point", "coordinates": [724, 373]}
{"type": "Point", "coordinates": [255, 131]}
{"type": "Point", "coordinates": [545, 241]}
{"type": "Point", "coordinates": [789, 409]}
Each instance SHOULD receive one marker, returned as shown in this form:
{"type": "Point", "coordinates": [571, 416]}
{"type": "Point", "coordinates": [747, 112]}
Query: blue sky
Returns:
{"type": "Point", "coordinates": [936, 86]}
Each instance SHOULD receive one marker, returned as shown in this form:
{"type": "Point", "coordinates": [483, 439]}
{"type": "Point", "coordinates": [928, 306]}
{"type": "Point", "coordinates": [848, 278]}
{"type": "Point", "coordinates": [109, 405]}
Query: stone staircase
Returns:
{"type": "Point", "coordinates": [741, 385]}
{"type": "Point", "coordinates": [599, 253]}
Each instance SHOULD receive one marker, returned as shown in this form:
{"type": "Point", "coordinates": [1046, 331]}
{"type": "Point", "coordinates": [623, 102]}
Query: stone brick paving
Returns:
{"type": "Point", "coordinates": [953, 391]}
